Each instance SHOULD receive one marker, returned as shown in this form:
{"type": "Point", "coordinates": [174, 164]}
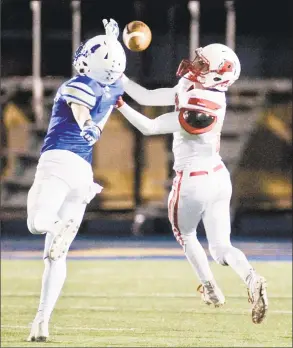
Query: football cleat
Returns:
{"type": "Point", "coordinates": [63, 240]}
{"type": "Point", "coordinates": [211, 294]}
{"type": "Point", "coordinates": [257, 296]}
{"type": "Point", "coordinates": [39, 332]}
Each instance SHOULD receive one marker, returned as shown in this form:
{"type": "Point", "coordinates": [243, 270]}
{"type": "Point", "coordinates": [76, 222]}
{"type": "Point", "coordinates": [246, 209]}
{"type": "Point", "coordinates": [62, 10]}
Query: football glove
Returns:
{"type": "Point", "coordinates": [90, 132]}
{"type": "Point", "coordinates": [119, 102]}
{"type": "Point", "coordinates": [111, 27]}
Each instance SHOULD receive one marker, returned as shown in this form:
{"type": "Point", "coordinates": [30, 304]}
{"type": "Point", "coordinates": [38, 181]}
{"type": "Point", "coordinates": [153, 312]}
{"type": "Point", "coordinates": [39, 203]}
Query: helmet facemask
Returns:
{"type": "Point", "coordinates": [214, 66]}
{"type": "Point", "coordinates": [193, 69]}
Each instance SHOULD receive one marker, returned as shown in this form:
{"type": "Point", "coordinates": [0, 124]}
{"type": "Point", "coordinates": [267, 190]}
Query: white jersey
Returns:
{"type": "Point", "coordinates": [190, 150]}
{"type": "Point", "coordinates": [199, 150]}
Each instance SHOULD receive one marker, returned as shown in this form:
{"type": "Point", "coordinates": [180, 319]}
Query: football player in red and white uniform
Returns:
{"type": "Point", "coordinates": [202, 186]}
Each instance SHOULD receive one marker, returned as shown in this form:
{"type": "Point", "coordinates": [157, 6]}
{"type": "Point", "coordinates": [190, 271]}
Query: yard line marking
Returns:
{"type": "Point", "coordinates": [72, 328]}
{"type": "Point", "coordinates": [147, 309]}
{"type": "Point", "coordinates": [131, 294]}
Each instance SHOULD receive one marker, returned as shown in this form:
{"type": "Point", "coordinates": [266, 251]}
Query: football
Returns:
{"type": "Point", "coordinates": [137, 36]}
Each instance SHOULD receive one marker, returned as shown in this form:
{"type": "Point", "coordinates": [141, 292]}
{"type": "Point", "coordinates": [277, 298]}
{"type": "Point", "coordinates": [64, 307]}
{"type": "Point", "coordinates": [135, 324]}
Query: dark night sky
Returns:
{"type": "Point", "coordinates": [255, 18]}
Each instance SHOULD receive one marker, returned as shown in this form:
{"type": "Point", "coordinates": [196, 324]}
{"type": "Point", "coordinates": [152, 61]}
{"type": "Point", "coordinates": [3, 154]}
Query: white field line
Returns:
{"type": "Point", "coordinates": [147, 309]}
{"type": "Point", "coordinates": [72, 328]}
{"type": "Point", "coordinates": [130, 294]}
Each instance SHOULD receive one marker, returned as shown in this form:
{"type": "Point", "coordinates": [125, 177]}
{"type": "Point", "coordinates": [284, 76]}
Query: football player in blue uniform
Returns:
{"type": "Point", "coordinates": [63, 184]}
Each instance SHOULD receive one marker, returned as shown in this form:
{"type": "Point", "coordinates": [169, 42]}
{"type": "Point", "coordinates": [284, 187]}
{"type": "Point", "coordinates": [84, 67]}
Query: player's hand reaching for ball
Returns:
{"type": "Point", "coordinates": [119, 102]}
{"type": "Point", "coordinates": [90, 132]}
{"type": "Point", "coordinates": [111, 27]}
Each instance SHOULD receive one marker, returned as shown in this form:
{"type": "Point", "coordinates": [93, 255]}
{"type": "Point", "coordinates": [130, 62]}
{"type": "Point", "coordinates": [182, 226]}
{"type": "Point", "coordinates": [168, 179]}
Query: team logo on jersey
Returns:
{"type": "Point", "coordinates": [204, 103]}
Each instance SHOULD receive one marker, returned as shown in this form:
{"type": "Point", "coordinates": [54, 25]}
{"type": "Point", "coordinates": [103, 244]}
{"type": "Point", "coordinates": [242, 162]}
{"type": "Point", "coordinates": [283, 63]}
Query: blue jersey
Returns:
{"type": "Point", "coordinates": [63, 131]}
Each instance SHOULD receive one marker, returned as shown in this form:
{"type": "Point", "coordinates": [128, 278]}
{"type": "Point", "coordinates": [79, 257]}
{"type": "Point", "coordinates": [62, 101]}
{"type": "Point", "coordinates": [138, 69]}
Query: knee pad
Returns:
{"type": "Point", "coordinates": [31, 226]}
{"type": "Point", "coordinates": [40, 222]}
{"type": "Point", "coordinates": [218, 253]}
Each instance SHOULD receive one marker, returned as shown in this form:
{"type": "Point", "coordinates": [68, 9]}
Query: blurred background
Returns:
{"type": "Point", "coordinates": [38, 39]}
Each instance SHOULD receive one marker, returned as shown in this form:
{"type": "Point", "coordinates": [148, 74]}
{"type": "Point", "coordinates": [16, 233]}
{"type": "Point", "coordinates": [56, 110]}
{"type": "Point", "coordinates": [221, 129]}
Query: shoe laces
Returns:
{"type": "Point", "coordinates": [250, 289]}
{"type": "Point", "coordinates": [250, 299]}
{"type": "Point", "coordinates": [200, 289]}
{"type": "Point", "coordinates": [207, 288]}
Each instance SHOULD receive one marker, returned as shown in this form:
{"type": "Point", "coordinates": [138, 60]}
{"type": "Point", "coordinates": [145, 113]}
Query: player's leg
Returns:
{"type": "Point", "coordinates": [55, 270]}
{"type": "Point", "coordinates": [62, 241]}
{"type": "Point", "coordinates": [216, 219]}
{"type": "Point", "coordinates": [44, 201]}
{"type": "Point", "coordinates": [185, 209]}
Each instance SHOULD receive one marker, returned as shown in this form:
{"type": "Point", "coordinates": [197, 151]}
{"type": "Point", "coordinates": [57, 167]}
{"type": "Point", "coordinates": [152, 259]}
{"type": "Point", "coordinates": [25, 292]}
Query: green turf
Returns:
{"type": "Point", "coordinates": [145, 303]}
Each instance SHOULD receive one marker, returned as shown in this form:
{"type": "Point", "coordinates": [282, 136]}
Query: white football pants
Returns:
{"type": "Point", "coordinates": [197, 195]}
{"type": "Point", "coordinates": [62, 188]}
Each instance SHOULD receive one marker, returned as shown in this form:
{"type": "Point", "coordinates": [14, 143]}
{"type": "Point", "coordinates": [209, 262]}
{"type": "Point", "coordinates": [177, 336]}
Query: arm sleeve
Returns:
{"type": "Point", "coordinates": [155, 97]}
{"type": "Point", "coordinates": [79, 93]}
{"type": "Point", "coordinates": [164, 124]}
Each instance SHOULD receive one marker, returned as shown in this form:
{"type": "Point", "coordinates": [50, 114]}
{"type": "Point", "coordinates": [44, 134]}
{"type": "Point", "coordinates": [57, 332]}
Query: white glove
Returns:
{"type": "Point", "coordinates": [111, 27]}
{"type": "Point", "coordinates": [90, 132]}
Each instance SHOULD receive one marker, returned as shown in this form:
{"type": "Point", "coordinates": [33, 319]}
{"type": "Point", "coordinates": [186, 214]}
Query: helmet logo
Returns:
{"type": "Point", "coordinates": [94, 48]}
{"type": "Point", "coordinates": [226, 66]}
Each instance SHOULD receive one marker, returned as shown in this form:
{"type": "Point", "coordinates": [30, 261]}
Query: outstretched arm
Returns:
{"type": "Point", "coordinates": [81, 114]}
{"type": "Point", "coordinates": [164, 124]}
{"type": "Point", "coordinates": [155, 97]}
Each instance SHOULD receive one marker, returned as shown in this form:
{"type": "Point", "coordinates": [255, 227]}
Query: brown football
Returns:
{"type": "Point", "coordinates": [137, 36]}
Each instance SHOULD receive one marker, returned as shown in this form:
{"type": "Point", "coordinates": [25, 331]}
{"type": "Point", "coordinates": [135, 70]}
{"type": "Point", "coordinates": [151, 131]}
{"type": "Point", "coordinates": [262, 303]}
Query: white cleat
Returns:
{"type": "Point", "coordinates": [63, 240]}
{"type": "Point", "coordinates": [211, 294]}
{"type": "Point", "coordinates": [257, 296]}
{"type": "Point", "coordinates": [39, 332]}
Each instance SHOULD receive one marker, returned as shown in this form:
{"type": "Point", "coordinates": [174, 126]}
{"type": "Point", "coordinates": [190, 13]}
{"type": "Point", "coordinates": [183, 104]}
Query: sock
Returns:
{"type": "Point", "coordinates": [53, 279]}
{"type": "Point", "coordinates": [197, 257]}
{"type": "Point", "coordinates": [52, 282]}
{"type": "Point", "coordinates": [236, 259]}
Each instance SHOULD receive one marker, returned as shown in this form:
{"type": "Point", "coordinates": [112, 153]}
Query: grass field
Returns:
{"type": "Point", "coordinates": [144, 303]}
